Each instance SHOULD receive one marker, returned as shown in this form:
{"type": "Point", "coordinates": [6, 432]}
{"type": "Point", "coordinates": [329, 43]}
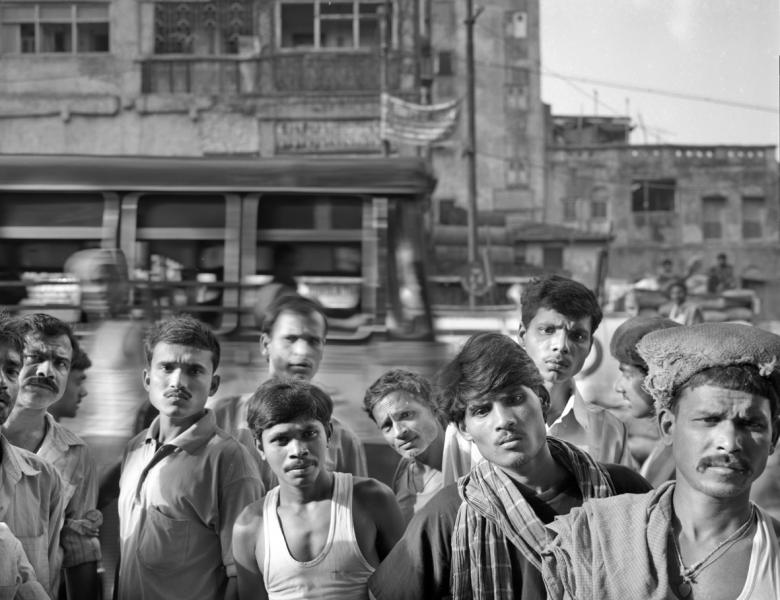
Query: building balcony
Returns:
{"type": "Point", "coordinates": [284, 73]}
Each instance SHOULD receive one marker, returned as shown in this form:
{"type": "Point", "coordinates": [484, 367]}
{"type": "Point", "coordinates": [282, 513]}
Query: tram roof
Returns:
{"type": "Point", "coordinates": [44, 172]}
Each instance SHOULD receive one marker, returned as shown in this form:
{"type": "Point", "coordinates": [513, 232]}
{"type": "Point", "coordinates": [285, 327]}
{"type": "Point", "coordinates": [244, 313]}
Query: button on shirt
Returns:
{"type": "Point", "coordinates": [31, 505]}
{"type": "Point", "coordinates": [177, 505]}
{"type": "Point", "coordinates": [73, 459]}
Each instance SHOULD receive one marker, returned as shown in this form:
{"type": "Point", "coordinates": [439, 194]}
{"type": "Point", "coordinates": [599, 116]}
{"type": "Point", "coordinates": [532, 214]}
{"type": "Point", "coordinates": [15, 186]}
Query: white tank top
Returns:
{"type": "Point", "coordinates": [339, 572]}
{"type": "Point", "coordinates": [763, 578]}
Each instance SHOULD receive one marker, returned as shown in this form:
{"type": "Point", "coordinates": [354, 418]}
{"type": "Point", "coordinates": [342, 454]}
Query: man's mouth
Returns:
{"type": "Point", "coordinates": [298, 466]}
{"type": "Point", "coordinates": [509, 439]}
{"type": "Point", "coordinates": [41, 383]}
{"type": "Point", "coordinates": [724, 462]}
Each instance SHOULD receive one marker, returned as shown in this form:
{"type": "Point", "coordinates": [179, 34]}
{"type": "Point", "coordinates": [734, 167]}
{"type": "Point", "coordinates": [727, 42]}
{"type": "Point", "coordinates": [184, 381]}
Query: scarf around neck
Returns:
{"type": "Point", "coordinates": [494, 513]}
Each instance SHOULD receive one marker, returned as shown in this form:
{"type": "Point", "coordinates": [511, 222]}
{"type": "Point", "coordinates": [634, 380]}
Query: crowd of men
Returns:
{"type": "Point", "coordinates": [509, 483]}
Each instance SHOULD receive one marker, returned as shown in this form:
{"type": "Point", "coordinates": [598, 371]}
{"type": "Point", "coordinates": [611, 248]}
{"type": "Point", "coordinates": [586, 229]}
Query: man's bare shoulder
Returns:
{"type": "Point", "coordinates": [249, 523]}
{"type": "Point", "coordinates": [369, 492]}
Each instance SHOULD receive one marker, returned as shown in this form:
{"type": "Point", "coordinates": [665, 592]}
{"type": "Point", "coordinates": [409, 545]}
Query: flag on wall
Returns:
{"type": "Point", "coordinates": [420, 124]}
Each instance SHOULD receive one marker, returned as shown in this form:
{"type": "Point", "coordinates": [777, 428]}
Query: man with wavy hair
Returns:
{"type": "Point", "coordinates": [466, 541]}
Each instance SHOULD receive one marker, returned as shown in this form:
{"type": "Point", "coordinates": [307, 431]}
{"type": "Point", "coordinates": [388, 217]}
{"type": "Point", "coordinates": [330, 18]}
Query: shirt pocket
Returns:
{"type": "Point", "coordinates": [163, 541]}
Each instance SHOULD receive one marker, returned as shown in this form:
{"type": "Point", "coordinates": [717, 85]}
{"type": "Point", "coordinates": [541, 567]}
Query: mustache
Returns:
{"type": "Point", "coordinates": [724, 460]}
{"type": "Point", "coordinates": [42, 382]}
{"type": "Point", "coordinates": [299, 464]}
{"type": "Point", "coordinates": [177, 392]}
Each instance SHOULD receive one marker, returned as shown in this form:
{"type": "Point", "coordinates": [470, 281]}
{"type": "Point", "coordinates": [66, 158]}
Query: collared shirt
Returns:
{"type": "Point", "coordinates": [177, 505]}
{"type": "Point", "coordinates": [31, 504]}
{"type": "Point", "coordinates": [593, 429]}
{"type": "Point", "coordinates": [73, 459]}
{"type": "Point", "coordinates": [345, 450]}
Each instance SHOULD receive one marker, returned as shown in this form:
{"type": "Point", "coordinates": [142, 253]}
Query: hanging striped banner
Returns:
{"type": "Point", "coordinates": [420, 124]}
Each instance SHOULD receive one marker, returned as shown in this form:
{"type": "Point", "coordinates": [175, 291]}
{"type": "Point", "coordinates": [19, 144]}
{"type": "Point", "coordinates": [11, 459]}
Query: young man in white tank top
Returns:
{"type": "Point", "coordinates": [318, 534]}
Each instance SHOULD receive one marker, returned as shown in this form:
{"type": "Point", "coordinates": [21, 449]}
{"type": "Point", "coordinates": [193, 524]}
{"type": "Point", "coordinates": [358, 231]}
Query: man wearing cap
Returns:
{"type": "Point", "coordinates": [716, 389]}
{"type": "Point", "coordinates": [659, 464]}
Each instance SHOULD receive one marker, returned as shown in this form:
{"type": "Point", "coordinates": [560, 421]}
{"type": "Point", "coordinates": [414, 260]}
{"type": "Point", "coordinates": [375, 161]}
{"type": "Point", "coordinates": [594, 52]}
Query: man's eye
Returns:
{"type": "Point", "coordinates": [479, 411]}
{"type": "Point", "coordinates": [311, 434]}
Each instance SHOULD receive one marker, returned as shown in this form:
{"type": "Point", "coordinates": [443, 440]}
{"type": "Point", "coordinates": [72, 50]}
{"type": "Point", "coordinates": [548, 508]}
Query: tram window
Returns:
{"type": "Point", "coordinates": [346, 214]}
{"type": "Point", "coordinates": [181, 211]}
{"type": "Point", "coordinates": [55, 210]}
{"type": "Point", "coordinates": [317, 259]}
{"type": "Point", "coordinates": [286, 212]}
{"type": "Point", "coordinates": [39, 255]}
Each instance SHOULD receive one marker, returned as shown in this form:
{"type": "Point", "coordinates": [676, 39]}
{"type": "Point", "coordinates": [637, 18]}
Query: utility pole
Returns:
{"type": "Point", "coordinates": [471, 146]}
{"type": "Point", "coordinates": [382, 13]}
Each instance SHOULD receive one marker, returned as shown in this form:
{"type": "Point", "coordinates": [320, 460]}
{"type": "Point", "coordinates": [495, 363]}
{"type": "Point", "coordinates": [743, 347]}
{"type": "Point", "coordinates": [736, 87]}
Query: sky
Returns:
{"type": "Point", "coordinates": [725, 50]}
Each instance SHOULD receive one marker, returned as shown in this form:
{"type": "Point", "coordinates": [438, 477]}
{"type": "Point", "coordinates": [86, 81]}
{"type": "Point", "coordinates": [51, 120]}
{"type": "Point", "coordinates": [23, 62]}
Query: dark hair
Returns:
{"type": "Point", "coordinates": [488, 363]}
{"type": "Point", "coordinates": [183, 330]}
{"type": "Point", "coordinates": [10, 333]}
{"type": "Point", "coordinates": [80, 361]}
{"type": "Point", "coordinates": [396, 380]}
{"type": "Point", "coordinates": [565, 295]}
{"type": "Point", "coordinates": [282, 400]}
{"type": "Point", "coordinates": [47, 326]}
{"type": "Point", "coordinates": [739, 378]}
{"type": "Point", "coordinates": [294, 303]}
{"type": "Point", "coordinates": [677, 283]}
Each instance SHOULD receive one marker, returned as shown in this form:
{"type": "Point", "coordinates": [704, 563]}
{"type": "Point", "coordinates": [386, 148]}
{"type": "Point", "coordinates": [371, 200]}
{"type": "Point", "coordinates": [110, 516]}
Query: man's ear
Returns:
{"type": "Point", "coordinates": [328, 433]}
{"type": "Point", "coordinates": [666, 422]}
{"type": "Point", "coordinates": [775, 433]}
{"type": "Point", "coordinates": [259, 446]}
{"type": "Point", "coordinates": [215, 381]}
{"type": "Point", "coordinates": [146, 379]}
{"type": "Point", "coordinates": [521, 331]}
{"type": "Point", "coordinates": [462, 428]}
{"type": "Point", "coordinates": [264, 341]}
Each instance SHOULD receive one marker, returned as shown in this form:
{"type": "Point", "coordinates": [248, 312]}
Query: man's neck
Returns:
{"type": "Point", "coordinates": [541, 473]}
{"type": "Point", "coordinates": [26, 427]}
{"type": "Point", "coordinates": [320, 489]}
{"type": "Point", "coordinates": [701, 517]}
{"type": "Point", "coordinates": [172, 428]}
{"type": "Point", "coordinates": [560, 392]}
{"type": "Point", "coordinates": [432, 456]}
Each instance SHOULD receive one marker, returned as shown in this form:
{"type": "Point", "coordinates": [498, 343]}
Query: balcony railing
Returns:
{"type": "Point", "coordinates": [267, 75]}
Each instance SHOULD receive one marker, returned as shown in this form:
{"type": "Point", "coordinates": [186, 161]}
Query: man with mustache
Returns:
{"type": "Point", "coordinates": [464, 543]}
{"type": "Point", "coordinates": [558, 319]}
{"type": "Point", "coordinates": [292, 340]}
{"type": "Point", "coordinates": [319, 534]}
{"type": "Point", "coordinates": [184, 481]}
{"type": "Point", "coordinates": [716, 389]}
{"type": "Point", "coordinates": [31, 493]}
{"type": "Point", "coordinates": [75, 390]}
{"type": "Point", "coordinates": [49, 347]}
{"type": "Point", "coordinates": [401, 405]}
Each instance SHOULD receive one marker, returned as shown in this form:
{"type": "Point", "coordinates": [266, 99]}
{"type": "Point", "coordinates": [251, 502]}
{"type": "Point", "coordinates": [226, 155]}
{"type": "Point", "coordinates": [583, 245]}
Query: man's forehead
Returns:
{"type": "Point", "coordinates": [296, 425]}
{"type": "Point", "coordinates": [717, 399]}
{"type": "Point", "coordinates": [37, 341]}
{"type": "Point", "coordinates": [179, 353]}
{"type": "Point", "coordinates": [295, 321]}
{"type": "Point", "coordinates": [553, 317]}
{"type": "Point", "coordinates": [8, 353]}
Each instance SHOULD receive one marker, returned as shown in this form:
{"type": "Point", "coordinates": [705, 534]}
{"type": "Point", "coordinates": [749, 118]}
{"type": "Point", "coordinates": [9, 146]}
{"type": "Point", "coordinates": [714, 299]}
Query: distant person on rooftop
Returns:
{"type": "Point", "coordinates": [679, 309]}
{"type": "Point", "coordinates": [721, 276]}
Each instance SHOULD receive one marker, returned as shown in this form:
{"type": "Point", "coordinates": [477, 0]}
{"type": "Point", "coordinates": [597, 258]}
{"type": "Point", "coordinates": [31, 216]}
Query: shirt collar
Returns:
{"type": "Point", "coordinates": [13, 462]}
{"type": "Point", "coordinates": [58, 437]}
{"type": "Point", "coordinates": [189, 440]}
{"type": "Point", "coordinates": [575, 409]}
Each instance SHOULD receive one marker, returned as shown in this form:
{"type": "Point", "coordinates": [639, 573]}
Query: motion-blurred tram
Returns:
{"type": "Point", "coordinates": [198, 235]}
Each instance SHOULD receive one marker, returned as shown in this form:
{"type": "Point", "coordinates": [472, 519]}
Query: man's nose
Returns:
{"type": "Point", "coordinates": [298, 448]}
{"type": "Point", "coordinates": [728, 437]}
{"type": "Point", "coordinates": [175, 378]}
{"type": "Point", "coordinates": [560, 340]}
{"type": "Point", "coordinates": [45, 368]}
{"type": "Point", "coordinates": [618, 386]}
{"type": "Point", "coordinates": [399, 430]}
{"type": "Point", "coordinates": [503, 416]}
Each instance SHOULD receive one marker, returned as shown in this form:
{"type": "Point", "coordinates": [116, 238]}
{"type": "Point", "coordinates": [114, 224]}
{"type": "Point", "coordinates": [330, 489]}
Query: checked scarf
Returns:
{"type": "Point", "coordinates": [495, 513]}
